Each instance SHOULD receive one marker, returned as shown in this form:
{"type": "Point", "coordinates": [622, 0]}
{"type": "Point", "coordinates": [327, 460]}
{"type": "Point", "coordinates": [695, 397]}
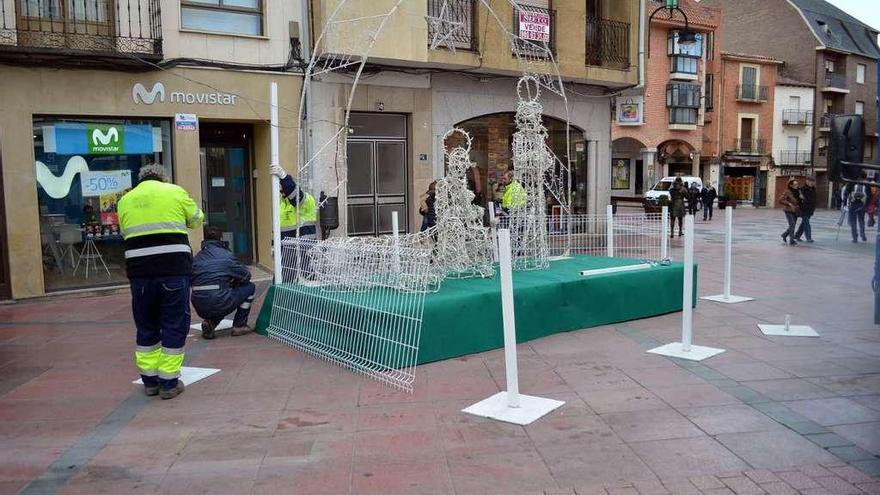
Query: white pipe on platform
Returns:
{"type": "Point", "coordinates": [687, 292]}
{"type": "Point", "coordinates": [492, 223]}
{"type": "Point", "coordinates": [609, 230]}
{"type": "Point", "coordinates": [616, 269]}
{"type": "Point", "coordinates": [508, 318]}
{"type": "Point", "coordinates": [276, 186]}
{"type": "Point", "coordinates": [664, 233]}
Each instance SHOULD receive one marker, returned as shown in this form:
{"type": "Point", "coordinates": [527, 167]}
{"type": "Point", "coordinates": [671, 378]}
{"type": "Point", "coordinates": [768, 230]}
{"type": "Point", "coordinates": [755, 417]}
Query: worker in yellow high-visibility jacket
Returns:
{"type": "Point", "coordinates": [514, 193]}
{"type": "Point", "coordinates": [299, 218]}
{"type": "Point", "coordinates": [153, 219]}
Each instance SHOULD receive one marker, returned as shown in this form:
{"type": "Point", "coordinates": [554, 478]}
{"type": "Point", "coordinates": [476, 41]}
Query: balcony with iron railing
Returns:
{"type": "Point", "coordinates": [607, 43]}
{"type": "Point", "coordinates": [533, 42]}
{"type": "Point", "coordinates": [748, 146]}
{"type": "Point", "coordinates": [751, 93]}
{"type": "Point", "coordinates": [113, 33]}
{"type": "Point", "coordinates": [797, 117]}
{"type": "Point", "coordinates": [835, 82]}
{"type": "Point", "coordinates": [460, 31]}
{"type": "Point", "coordinates": [794, 158]}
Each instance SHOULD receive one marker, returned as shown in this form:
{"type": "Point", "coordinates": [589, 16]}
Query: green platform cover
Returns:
{"type": "Point", "coordinates": [464, 317]}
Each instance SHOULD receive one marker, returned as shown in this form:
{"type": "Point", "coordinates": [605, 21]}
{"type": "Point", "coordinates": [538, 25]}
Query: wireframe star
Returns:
{"type": "Point", "coordinates": [443, 28]}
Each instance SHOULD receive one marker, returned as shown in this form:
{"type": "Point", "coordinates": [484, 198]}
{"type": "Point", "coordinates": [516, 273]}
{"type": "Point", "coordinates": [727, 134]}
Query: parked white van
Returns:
{"type": "Point", "coordinates": [662, 188]}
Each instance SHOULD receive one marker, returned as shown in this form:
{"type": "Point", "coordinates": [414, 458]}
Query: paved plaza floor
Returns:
{"type": "Point", "coordinates": [771, 415]}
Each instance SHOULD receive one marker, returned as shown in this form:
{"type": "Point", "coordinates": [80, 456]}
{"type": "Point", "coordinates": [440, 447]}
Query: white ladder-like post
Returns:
{"type": "Point", "coordinates": [276, 186]}
{"type": "Point", "coordinates": [609, 231]}
{"type": "Point", "coordinates": [395, 239]}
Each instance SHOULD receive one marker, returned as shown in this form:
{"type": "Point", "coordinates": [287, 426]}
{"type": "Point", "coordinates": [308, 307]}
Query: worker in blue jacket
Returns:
{"type": "Point", "coordinates": [221, 284]}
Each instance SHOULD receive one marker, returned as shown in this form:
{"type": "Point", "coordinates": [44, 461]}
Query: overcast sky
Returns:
{"type": "Point", "coordinates": [867, 11]}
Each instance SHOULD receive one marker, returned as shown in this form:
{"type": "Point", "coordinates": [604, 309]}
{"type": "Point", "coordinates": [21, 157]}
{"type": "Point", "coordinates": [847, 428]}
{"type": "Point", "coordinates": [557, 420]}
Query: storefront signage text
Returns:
{"type": "Point", "coordinates": [98, 139]}
{"type": "Point", "coordinates": [186, 122]}
{"type": "Point", "coordinates": [534, 26]}
{"type": "Point", "coordinates": [105, 139]}
{"type": "Point", "coordinates": [98, 183]}
{"type": "Point", "coordinates": [629, 110]}
{"type": "Point", "coordinates": [140, 94]}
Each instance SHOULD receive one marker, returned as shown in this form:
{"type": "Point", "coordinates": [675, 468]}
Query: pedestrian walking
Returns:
{"type": "Point", "coordinates": [221, 285]}
{"type": "Point", "coordinates": [299, 216]}
{"type": "Point", "coordinates": [693, 198]}
{"type": "Point", "coordinates": [855, 197]}
{"type": "Point", "coordinates": [677, 194]}
{"type": "Point", "coordinates": [708, 195]}
{"type": "Point", "coordinates": [153, 218]}
{"type": "Point", "coordinates": [426, 207]}
{"type": "Point", "coordinates": [790, 205]}
{"type": "Point", "coordinates": [873, 203]}
{"type": "Point", "coordinates": [807, 209]}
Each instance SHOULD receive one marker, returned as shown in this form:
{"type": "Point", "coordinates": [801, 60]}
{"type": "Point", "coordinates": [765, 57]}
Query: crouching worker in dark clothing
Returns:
{"type": "Point", "coordinates": [221, 285]}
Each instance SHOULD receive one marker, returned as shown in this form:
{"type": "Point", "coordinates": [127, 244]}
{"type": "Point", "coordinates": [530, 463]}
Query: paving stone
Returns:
{"type": "Point", "coordinates": [797, 480]}
{"type": "Point", "coordinates": [851, 454]}
{"type": "Point", "coordinates": [872, 488]}
{"type": "Point", "coordinates": [778, 488]}
{"type": "Point", "coordinates": [718, 491]}
{"type": "Point", "coordinates": [650, 487]}
{"type": "Point", "coordinates": [851, 474]}
{"type": "Point", "coordinates": [741, 485]}
{"type": "Point", "coordinates": [826, 440]}
{"type": "Point", "coordinates": [834, 411]}
{"type": "Point", "coordinates": [871, 467]}
{"type": "Point", "coordinates": [730, 419]}
{"type": "Point", "coordinates": [837, 485]}
{"type": "Point", "coordinates": [865, 435]}
{"type": "Point", "coordinates": [762, 476]}
{"type": "Point", "coordinates": [774, 449]}
{"type": "Point", "coordinates": [707, 482]}
{"type": "Point", "coordinates": [651, 425]}
{"type": "Point", "coordinates": [687, 457]}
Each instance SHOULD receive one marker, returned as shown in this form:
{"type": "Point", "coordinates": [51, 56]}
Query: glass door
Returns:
{"type": "Point", "coordinates": [226, 170]}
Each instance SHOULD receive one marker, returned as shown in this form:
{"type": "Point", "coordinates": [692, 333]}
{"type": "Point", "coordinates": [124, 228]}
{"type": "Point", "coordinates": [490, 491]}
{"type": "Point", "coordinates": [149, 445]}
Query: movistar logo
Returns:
{"type": "Point", "coordinates": [99, 137]}
{"type": "Point", "coordinates": [139, 92]}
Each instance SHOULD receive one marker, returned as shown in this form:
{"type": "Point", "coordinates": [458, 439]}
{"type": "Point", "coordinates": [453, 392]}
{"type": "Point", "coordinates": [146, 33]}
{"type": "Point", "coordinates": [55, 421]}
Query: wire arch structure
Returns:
{"type": "Point", "coordinates": [344, 45]}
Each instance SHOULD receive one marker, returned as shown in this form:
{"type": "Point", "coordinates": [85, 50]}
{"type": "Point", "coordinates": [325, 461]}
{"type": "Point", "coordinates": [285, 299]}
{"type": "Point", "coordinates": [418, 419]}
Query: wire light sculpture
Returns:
{"type": "Point", "coordinates": [531, 162]}
{"type": "Point", "coordinates": [464, 246]}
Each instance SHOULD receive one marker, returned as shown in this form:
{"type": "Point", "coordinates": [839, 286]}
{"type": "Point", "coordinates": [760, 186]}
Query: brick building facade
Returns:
{"type": "Point", "coordinates": [669, 126]}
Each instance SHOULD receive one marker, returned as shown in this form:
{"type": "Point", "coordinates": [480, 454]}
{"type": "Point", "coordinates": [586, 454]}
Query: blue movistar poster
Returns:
{"type": "Point", "coordinates": [103, 139]}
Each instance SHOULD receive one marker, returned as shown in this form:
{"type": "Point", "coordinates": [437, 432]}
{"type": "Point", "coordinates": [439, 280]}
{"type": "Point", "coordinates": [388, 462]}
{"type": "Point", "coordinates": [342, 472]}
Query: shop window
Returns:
{"type": "Point", "coordinates": [83, 167]}
{"type": "Point", "coordinates": [225, 16]}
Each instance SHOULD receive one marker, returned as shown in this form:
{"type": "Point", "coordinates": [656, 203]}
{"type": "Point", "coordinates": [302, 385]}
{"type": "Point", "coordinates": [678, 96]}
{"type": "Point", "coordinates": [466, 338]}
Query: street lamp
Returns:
{"type": "Point", "coordinates": [685, 37]}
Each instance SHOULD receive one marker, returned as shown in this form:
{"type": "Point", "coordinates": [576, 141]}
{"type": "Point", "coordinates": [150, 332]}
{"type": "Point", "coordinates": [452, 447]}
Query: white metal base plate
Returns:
{"type": "Point", "coordinates": [190, 375]}
{"type": "Point", "coordinates": [530, 408]}
{"type": "Point", "coordinates": [793, 330]}
{"type": "Point", "coordinates": [729, 299]}
{"type": "Point", "coordinates": [697, 352]}
{"type": "Point", "coordinates": [223, 325]}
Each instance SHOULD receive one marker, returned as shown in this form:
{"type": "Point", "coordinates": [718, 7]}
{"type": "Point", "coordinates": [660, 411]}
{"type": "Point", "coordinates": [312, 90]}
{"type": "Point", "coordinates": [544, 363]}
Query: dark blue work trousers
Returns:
{"type": "Point", "coordinates": [160, 306]}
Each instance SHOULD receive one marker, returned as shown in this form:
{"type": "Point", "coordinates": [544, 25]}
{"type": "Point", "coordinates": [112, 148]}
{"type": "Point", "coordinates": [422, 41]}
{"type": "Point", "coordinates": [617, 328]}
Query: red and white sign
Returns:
{"type": "Point", "coordinates": [534, 26]}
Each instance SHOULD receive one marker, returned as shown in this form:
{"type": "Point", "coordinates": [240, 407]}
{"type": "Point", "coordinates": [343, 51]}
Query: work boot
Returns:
{"type": "Point", "coordinates": [151, 391]}
{"type": "Point", "coordinates": [171, 393]}
{"type": "Point", "coordinates": [208, 327]}
{"type": "Point", "coordinates": [239, 331]}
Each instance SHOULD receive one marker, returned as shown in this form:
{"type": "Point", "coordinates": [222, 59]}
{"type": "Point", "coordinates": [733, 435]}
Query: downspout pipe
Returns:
{"type": "Point", "coordinates": [643, 11]}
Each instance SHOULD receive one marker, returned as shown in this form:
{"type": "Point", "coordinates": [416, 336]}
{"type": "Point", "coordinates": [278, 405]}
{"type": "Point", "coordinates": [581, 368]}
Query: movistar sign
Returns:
{"type": "Point", "coordinates": [105, 139]}
{"type": "Point", "coordinates": [157, 92]}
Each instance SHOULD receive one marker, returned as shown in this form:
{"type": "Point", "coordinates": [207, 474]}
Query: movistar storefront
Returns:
{"type": "Point", "coordinates": [73, 141]}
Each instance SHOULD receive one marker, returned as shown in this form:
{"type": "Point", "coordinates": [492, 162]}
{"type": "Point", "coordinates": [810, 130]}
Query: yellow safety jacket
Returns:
{"type": "Point", "coordinates": [153, 219]}
{"type": "Point", "coordinates": [514, 195]}
{"type": "Point", "coordinates": [304, 215]}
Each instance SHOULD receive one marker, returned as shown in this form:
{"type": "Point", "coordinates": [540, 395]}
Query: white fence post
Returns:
{"type": "Point", "coordinates": [725, 296]}
{"type": "Point", "coordinates": [492, 223]}
{"type": "Point", "coordinates": [395, 235]}
{"type": "Point", "coordinates": [664, 233]}
{"type": "Point", "coordinates": [508, 318]}
{"type": "Point", "coordinates": [609, 230]}
{"type": "Point", "coordinates": [510, 406]}
{"type": "Point", "coordinates": [685, 349]}
{"type": "Point", "coordinates": [728, 249]}
{"type": "Point", "coordinates": [276, 193]}
{"type": "Point", "coordinates": [687, 291]}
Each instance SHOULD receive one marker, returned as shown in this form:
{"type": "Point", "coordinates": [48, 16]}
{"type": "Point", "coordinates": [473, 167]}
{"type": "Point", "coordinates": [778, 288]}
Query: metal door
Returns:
{"type": "Point", "coordinates": [377, 185]}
